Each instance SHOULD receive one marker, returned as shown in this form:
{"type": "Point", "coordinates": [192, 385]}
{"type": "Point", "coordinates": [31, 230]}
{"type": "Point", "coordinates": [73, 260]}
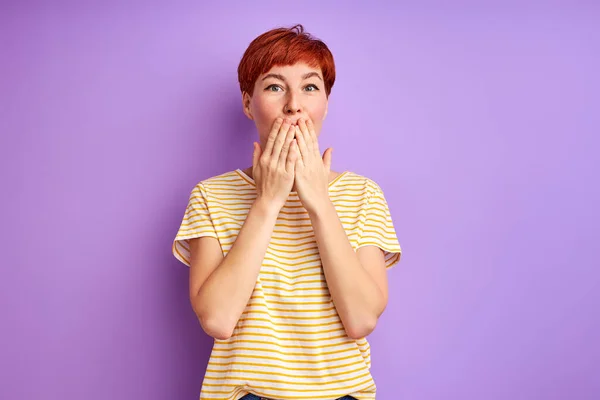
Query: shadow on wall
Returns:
{"type": "Point", "coordinates": [226, 135]}
{"type": "Point", "coordinates": [189, 345]}
{"type": "Point", "coordinates": [220, 133]}
{"type": "Point", "coordinates": [238, 134]}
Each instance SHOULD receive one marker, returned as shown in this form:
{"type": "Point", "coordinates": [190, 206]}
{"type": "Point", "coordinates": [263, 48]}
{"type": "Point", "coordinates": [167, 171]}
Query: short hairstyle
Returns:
{"type": "Point", "coordinates": [282, 47]}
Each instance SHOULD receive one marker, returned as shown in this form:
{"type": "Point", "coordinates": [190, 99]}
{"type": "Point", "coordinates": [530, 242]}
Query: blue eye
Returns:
{"type": "Point", "coordinates": [277, 88]}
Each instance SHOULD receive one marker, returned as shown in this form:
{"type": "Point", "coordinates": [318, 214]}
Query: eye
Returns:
{"type": "Point", "coordinates": [271, 87]}
{"type": "Point", "coordinates": [312, 86]}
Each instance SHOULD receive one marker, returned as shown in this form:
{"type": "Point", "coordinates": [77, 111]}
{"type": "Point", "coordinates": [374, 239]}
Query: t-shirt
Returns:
{"type": "Point", "coordinates": [289, 342]}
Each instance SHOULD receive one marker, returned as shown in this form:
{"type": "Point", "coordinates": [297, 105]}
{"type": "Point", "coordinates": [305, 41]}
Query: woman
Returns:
{"type": "Point", "coordinates": [287, 258]}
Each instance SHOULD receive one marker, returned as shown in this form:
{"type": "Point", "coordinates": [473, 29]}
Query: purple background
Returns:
{"type": "Point", "coordinates": [480, 122]}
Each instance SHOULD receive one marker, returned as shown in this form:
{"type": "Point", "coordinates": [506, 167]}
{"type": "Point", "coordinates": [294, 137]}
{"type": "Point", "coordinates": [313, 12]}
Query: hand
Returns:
{"type": "Point", "coordinates": [273, 169]}
{"type": "Point", "coordinates": [312, 171]}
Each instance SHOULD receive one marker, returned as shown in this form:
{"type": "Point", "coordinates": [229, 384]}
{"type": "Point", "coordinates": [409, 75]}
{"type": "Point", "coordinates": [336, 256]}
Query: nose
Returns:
{"type": "Point", "coordinates": [292, 105]}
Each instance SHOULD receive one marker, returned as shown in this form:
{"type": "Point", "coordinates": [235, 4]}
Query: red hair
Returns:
{"type": "Point", "coordinates": [284, 46]}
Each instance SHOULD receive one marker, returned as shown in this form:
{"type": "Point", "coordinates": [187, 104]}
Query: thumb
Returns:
{"type": "Point", "coordinates": [327, 158]}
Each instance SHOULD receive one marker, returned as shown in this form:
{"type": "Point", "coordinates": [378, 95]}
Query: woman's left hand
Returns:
{"type": "Point", "coordinates": [311, 171]}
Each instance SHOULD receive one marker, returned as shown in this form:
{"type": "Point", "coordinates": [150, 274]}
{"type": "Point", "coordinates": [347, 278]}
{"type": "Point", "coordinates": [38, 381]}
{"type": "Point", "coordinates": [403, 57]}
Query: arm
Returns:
{"type": "Point", "coordinates": [220, 287]}
{"type": "Point", "coordinates": [357, 281]}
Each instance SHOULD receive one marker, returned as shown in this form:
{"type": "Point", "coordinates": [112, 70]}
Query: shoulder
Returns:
{"type": "Point", "coordinates": [216, 187]}
{"type": "Point", "coordinates": [224, 178]}
{"type": "Point", "coordinates": [229, 179]}
{"type": "Point", "coordinates": [352, 180]}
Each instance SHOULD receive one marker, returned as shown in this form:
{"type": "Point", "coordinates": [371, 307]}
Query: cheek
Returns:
{"type": "Point", "coordinates": [264, 115]}
{"type": "Point", "coordinates": [317, 115]}
{"type": "Point", "coordinates": [262, 110]}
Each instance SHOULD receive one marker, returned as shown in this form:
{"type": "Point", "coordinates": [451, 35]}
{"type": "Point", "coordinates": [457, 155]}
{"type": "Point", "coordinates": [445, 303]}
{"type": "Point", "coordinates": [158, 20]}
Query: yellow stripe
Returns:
{"type": "Point", "coordinates": [290, 346]}
{"type": "Point", "coordinates": [267, 269]}
{"type": "Point", "coordinates": [294, 296]}
{"type": "Point", "coordinates": [279, 359]}
{"type": "Point", "coordinates": [293, 283]}
{"type": "Point", "coordinates": [285, 353]}
{"type": "Point", "coordinates": [292, 339]}
{"type": "Point", "coordinates": [297, 332]}
{"type": "Point", "coordinates": [225, 210]}
{"type": "Point", "coordinates": [312, 317]}
{"type": "Point", "coordinates": [378, 244]}
{"type": "Point", "coordinates": [307, 249]}
{"type": "Point", "coordinates": [258, 372]}
{"type": "Point", "coordinates": [291, 310]}
{"type": "Point", "coordinates": [297, 303]}
{"type": "Point", "coordinates": [314, 259]}
{"type": "Point", "coordinates": [273, 238]}
{"type": "Point", "coordinates": [293, 289]}
{"type": "Point", "coordinates": [306, 383]}
{"type": "Point", "coordinates": [176, 249]}
{"type": "Point", "coordinates": [312, 252]}
{"type": "Point", "coordinates": [294, 277]}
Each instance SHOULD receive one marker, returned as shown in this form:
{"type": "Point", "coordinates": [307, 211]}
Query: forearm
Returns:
{"type": "Point", "coordinates": [358, 299]}
{"type": "Point", "coordinates": [226, 292]}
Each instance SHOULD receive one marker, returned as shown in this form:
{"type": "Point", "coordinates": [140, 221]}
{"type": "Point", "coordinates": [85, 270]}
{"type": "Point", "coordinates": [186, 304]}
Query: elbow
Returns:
{"type": "Point", "coordinates": [213, 322]}
{"type": "Point", "coordinates": [362, 328]}
{"type": "Point", "coordinates": [216, 327]}
{"type": "Point", "coordinates": [218, 332]}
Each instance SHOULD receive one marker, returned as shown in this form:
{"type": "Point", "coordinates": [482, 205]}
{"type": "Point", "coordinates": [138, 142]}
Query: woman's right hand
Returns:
{"type": "Point", "coordinates": [273, 168]}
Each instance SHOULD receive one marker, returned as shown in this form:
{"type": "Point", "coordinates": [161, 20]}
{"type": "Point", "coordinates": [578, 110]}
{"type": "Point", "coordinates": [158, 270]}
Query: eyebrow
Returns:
{"type": "Point", "coordinates": [282, 78]}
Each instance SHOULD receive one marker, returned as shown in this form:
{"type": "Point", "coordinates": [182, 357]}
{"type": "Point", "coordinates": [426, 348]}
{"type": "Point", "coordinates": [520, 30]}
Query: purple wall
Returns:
{"type": "Point", "coordinates": [480, 123]}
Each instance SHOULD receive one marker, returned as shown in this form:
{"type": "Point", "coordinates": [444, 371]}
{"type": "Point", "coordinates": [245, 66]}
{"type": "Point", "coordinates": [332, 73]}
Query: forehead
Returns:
{"type": "Point", "coordinates": [296, 70]}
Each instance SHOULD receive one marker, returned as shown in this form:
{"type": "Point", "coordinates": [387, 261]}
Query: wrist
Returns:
{"type": "Point", "coordinates": [266, 208]}
{"type": "Point", "coordinates": [321, 207]}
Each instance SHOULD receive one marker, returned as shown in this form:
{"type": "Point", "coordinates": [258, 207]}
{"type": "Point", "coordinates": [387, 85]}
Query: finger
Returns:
{"type": "Point", "coordinates": [300, 164]}
{"type": "Point", "coordinates": [290, 163]}
{"type": "Point", "coordinates": [256, 154]}
{"type": "Point", "coordinates": [306, 134]}
{"type": "Point", "coordinates": [304, 153]}
{"type": "Point", "coordinates": [286, 147]}
{"type": "Point", "coordinates": [280, 140]}
{"type": "Point", "coordinates": [327, 159]}
{"type": "Point", "coordinates": [273, 135]}
{"type": "Point", "coordinates": [313, 135]}
{"type": "Point", "coordinates": [311, 128]}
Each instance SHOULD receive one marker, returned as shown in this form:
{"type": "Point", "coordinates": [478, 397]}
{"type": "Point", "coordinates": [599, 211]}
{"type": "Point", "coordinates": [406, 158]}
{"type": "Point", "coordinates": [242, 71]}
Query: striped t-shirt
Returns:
{"type": "Point", "coordinates": [289, 342]}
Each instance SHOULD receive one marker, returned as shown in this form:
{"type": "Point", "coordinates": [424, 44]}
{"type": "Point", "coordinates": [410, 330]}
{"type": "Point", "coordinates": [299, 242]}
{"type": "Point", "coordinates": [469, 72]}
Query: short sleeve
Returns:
{"type": "Point", "coordinates": [196, 223]}
{"type": "Point", "coordinates": [377, 228]}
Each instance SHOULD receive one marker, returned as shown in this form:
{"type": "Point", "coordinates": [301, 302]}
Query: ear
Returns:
{"type": "Point", "coordinates": [246, 105]}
